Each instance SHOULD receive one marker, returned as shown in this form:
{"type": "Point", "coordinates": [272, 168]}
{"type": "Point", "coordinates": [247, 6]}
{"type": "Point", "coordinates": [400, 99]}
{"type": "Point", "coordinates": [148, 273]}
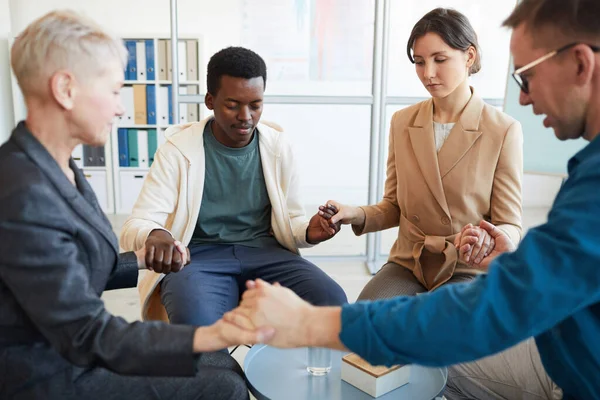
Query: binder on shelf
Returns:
{"type": "Point", "coordinates": [170, 100]}
{"type": "Point", "coordinates": [162, 59]}
{"type": "Point", "coordinates": [169, 63]}
{"type": "Point", "coordinates": [100, 157]}
{"type": "Point", "coordinates": [152, 145]}
{"type": "Point", "coordinates": [142, 148]}
{"type": "Point", "coordinates": [140, 62]}
{"type": "Point", "coordinates": [192, 109]}
{"type": "Point", "coordinates": [150, 64]}
{"type": "Point", "coordinates": [123, 147]}
{"type": "Point", "coordinates": [183, 109]}
{"type": "Point", "coordinates": [151, 104]}
{"type": "Point", "coordinates": [140, 107]}
{"type": "Point", "coordinates": [89, 157]}
{"type": "Point", "coordinates": [192, 60]}
{"type": "Point", "coordinates": [128, 117]}
{"type": "Point", "coordinates": [132, 138]}
{"type": "Point", "coordinates": [162, 111]}
{"type": "Point", "coordinates": [131, 72]}
{"type": "Point", "coordinates": [182, 60]}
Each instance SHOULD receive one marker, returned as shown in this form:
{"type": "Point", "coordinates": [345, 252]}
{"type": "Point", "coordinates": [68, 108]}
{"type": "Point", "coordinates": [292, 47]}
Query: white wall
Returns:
{"type": "Point", "coordinates": [146, 17]}
{"type": "Point", "coordinates": [6, 108]}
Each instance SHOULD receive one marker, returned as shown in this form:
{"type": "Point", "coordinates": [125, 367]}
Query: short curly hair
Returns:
{"type": "Point", "coordinates": [238, 62]}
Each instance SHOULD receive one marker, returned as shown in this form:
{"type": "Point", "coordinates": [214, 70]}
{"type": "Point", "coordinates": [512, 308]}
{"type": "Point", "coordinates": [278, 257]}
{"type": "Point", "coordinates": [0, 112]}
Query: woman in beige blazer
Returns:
{"type": "Point", "coordinates": [453, 161]}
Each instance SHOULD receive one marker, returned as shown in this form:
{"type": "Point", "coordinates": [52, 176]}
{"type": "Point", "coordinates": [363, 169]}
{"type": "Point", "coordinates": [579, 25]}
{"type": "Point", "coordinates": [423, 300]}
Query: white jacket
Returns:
{"type": "Point", "coordinates": [172, 194]}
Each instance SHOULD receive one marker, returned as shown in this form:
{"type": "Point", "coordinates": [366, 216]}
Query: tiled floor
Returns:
{"type": "Point", "coordinates": [352, 275]}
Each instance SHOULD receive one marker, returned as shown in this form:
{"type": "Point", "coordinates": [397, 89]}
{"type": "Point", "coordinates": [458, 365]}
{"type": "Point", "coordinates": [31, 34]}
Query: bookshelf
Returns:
{"type": "Point", "coordinates": [117, 171]}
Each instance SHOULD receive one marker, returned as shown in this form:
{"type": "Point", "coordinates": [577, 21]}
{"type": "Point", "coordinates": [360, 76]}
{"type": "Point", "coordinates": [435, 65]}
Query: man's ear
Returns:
{"type": "Point", "coordinates": [63, 88]}
{"type": "Point", "coordinates": [208, 101]}
{"type": "Point", "coordinates": [586, 63]}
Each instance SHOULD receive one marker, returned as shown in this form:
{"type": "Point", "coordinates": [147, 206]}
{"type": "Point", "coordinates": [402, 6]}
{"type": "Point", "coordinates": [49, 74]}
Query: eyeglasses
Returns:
{"type": "Point", "coordinates": [519, 74]}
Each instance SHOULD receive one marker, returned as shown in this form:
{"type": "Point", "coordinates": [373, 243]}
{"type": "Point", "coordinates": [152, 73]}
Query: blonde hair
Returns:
{"type": "Point", "coordinates": [62, 40]}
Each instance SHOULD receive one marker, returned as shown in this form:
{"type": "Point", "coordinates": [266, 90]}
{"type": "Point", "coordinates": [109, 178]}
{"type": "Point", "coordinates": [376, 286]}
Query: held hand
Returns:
{"type": "Point", "coordinates": [223, 334]}
{"type": "Point", "coordinates": [502, 243]}
{"type": "Point", "coordinates": [273, 306]}
{"type": "Point", "coordinates": [474, 244]}
{"type": "Point", "coordinates": [163, 254]}
{"type": "Point", "coordinates": [346, 215]}
{"type": "Point", "coordinates": [320, 227]}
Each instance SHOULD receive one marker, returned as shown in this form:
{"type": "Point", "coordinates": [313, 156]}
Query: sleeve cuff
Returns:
{"type": "Point", "coordinates": [300, 236]}
{"type": "Point", "coordinates": [360, 335]}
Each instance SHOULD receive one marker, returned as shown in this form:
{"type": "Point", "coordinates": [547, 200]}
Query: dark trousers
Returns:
{"type": "Point", "coordinates": [214, 281]}
{"type": "Point", "coordinates": [219, 377]}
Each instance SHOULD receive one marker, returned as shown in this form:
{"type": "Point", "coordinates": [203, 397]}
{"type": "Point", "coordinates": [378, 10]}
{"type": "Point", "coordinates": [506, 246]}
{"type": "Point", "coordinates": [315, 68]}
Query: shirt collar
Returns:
{"type": "Point", "coordinates": [593, 148]}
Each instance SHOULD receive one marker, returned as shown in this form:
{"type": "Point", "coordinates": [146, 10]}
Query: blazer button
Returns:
{"type": "Point", "coordinates": [415, 218]}
{"type": "Point", "coordinates": [445, 220]}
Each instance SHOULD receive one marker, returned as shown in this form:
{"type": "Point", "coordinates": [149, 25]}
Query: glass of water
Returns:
{"type": "Point", "coordinates": [319, 361]}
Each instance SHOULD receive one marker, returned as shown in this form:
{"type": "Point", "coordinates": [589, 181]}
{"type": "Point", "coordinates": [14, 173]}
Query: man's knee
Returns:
{"type": "Point", "coordinates": [337, 295]}
{"type": "Point", "coordinates": [327, 292]}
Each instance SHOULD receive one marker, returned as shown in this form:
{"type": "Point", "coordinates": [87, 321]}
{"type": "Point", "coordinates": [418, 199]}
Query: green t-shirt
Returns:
{"type": "Point", "coordinates": [235, 205]}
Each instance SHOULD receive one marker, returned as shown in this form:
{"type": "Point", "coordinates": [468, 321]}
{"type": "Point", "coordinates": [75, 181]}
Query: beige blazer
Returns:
{"type": "Point", "coordinates": [476, 175]}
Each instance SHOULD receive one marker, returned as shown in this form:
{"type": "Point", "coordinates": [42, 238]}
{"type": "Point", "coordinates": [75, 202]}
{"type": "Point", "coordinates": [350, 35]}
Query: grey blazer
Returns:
{"type": "Point", "coordinates": [57, 255]}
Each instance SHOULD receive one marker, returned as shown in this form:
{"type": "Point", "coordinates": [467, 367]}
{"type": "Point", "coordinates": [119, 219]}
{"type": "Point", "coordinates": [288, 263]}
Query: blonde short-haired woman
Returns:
{"type": "Point", "coordinates": [59, 252]}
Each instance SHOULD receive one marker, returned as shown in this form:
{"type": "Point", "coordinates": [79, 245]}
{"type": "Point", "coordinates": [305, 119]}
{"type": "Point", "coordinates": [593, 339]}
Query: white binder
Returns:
{"type": "Point", "coordinates": [182, 60]}
{"type": "Point", "coordinates": [142, 137]}
{"type": "Point", "coordinates": [128, 118]}
{"type": "Point", "coordinates": [183, 109]}
{"type": "Point", "coordinates": [140, 60]}
{"type": "Point", "coordinates": [162, 111]}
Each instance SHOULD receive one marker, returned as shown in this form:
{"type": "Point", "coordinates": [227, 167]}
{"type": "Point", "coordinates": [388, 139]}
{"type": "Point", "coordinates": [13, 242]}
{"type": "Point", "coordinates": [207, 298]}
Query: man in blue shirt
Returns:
{"type": "Point", "coordinates": [548, 288]}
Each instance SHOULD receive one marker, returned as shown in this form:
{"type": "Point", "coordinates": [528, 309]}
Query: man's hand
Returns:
{"type": "Point", "coordinates": [273, 306]}
{"type": "Point", "coordinates": [163, 254]}
{"type": "Point", "coordinates": [320, 228]}
{"type": "Point", "coordinates": [477, 244]}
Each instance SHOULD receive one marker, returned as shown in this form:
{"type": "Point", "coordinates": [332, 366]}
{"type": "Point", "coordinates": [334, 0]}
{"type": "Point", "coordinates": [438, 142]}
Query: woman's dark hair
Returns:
{"type": "Point", "coordinates": [454, 29]}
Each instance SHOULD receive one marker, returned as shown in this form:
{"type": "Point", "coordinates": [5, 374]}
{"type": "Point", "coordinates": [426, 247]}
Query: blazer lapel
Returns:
{"type": "Point", "coordinates": [84, 203]}
{"type": "Point", "coordinates": [421, 138]}
{"type": "Point", "coordinates": [462, 137]}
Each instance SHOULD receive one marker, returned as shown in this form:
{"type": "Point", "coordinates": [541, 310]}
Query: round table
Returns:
{"type": "Point", "coordinates": [278, 374]}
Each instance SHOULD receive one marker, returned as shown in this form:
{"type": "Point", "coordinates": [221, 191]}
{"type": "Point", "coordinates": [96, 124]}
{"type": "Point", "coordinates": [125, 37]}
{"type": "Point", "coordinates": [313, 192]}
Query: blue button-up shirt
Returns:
{"type": "Point", "coordinates": [548, 288]}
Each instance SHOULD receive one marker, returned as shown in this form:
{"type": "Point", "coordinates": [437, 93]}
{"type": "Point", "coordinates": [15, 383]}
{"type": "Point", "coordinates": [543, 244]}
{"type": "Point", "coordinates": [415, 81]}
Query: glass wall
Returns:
{"type": "Point", "coordinates": [320, 86]}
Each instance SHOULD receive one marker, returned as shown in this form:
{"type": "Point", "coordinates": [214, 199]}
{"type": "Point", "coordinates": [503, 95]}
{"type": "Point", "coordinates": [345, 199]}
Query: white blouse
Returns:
{"type": "Point", "coordinates": [441, 132]}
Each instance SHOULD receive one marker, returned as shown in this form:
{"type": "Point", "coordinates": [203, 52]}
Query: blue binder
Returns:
{"type": "Point", "coordinates": [170, 89]}
{"type": "Point", "coordinates": [123, 147]}
{"type": "Point", "coordinates": [151, 104]}
{"type": "Point", "coordinates": [131, 73]}
{"type": "Point", "coordinates": [150, 66]}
